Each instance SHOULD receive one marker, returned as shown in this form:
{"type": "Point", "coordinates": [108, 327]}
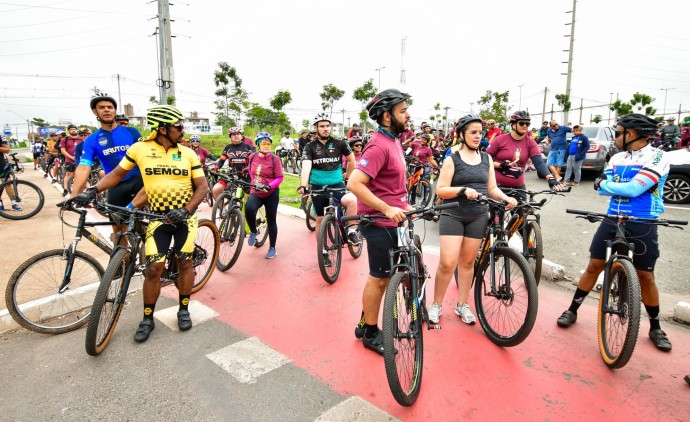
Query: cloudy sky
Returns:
{"type": "Point", "coordinates": [53, 52]}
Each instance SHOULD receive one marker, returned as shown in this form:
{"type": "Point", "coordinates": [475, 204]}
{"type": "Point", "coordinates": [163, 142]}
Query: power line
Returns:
{"type": "Point", "coordinates": [31, 75]}
{"type": "Point", "coordinates": [69, 49]}
{"type": "Point", "coordinates": [71, 18]}
{"type": "Point", "coordinates": [108, 11]}
{"type": "Point", "coordinates": [58, 35]}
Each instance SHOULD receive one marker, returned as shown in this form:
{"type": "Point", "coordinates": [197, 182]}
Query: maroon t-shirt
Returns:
{"type": "Point", "coordinates": [264, 170]}
{"type": "Point", "coordinates": [249, 142]}
{"type": "Point", "coordinates": [504, 147]}
{"type": "Point", "coordinates": [69, 143]}
{"type": "Point", "coordinates": [203, 154]}
{"type": "Point", "coordinates": [384, 163]}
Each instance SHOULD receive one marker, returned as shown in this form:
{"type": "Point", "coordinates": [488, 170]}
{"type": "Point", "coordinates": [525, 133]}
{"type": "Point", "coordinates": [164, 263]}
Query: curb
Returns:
{"type": "Point", "coordinates": [681, 312]}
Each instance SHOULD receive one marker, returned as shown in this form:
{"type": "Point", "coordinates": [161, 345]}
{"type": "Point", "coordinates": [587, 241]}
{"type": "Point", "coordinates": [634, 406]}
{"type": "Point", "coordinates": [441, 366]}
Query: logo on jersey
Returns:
{"type": "Point", "coordinates": [102, 141]}
{"type": "Point", "coordinates": [113, 150]}
{"type": "Point", "coordinates": [363, 162]}
{"type": "Point", "coordinates": [177, 157]}
{"type": "Point", "coordinates": [159, 171]}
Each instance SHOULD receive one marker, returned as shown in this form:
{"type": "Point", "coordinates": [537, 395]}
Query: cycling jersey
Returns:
{"type": "Point", "coordinates": [167, 174]}
{"type": "Point", "coordinates": [203, 154]}
{"type": "Point", "coordinates": [635, 182]}
{"type": "Point", "coordinates": [38, 147]}
{"type": "Point", "coordinates": [326, 161]}
{"type": "Point", "coordinates": [68, 144]}
{"type": "Point", "coordinates": [109, 147]}
{"type": "Point", "coordinates": [237, 156]}
{"type": "Point", "coordinates": [3, 160]}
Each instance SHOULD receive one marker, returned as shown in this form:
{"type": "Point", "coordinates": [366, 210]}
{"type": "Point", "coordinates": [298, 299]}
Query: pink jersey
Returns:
{"type": "Point", "coordinates": [264, 170]}
{"type": "Point", "coordinates": [504, 147]}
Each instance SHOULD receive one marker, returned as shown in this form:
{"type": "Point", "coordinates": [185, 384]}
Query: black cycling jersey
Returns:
{"type": "Point", "coordinates": [238, 156]}
{"type": "Point", "coordinates": [326, 156]}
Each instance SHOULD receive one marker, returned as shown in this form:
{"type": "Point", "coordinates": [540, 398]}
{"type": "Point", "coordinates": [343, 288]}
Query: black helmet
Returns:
{"type": "Point", "coordinates": [465, 120]}
{"type": "Point", "coordinates": [644, 125]}
{"type": "Point", "coordinates": [121, 117]}
{"type": "Point", "coordinates": [104, 97]}
{"type": "Point", "coordinates": [384, 101]}
{"type": "Point", "coordinates": [354, 140]}
{"type": "Point", "coordinates": [519, 115]}
{"type": "Point", "coordinates": [72, 127]}
{"type": "Point", "coordinates": [286, 132]}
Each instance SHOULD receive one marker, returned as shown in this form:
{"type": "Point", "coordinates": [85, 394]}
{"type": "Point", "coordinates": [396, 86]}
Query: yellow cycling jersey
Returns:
{"type": "Point", "coordinates": [167, 175]}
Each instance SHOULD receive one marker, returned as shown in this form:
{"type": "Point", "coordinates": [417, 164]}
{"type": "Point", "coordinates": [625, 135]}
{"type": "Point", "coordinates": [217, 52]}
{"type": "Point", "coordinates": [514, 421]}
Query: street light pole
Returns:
{"type": "Point", "coordinates": [379, 70]}
{"type": "Point", "coordinates": [28, 126]}
{"type": "Point", "coordinates": [520, 102]}
{"type": "Point", "coordinates": [665, 95]}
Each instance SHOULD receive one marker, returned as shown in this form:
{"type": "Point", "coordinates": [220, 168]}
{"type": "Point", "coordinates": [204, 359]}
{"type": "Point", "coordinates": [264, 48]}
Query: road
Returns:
{"type": "Point", "coordinates": [273, 341]}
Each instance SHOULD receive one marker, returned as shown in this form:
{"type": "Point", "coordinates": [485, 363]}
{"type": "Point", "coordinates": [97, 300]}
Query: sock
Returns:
{"type": "Point", "coordinates": [361, 322]}
{"type": "Point", "coordinates": [578, 298]}
{"type": "Point", "coordinates": [148, 310]}
{"type": "Point", "coordinates": [653, 312]}
{"type": "Point", "coordinates": [184, 302]}
{"type": "Point", "coordinates": [370, 331]}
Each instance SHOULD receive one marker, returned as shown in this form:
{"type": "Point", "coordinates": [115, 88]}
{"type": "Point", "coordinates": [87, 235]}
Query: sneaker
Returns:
{"type": "Point", "coordinates": [271, 253]}
{"type": "Point", "coordinates": [252, 239]}
{"type": "Point", "coordinates": [465, 314]}
{"type": "Point", "coordinates": [435, 311]}
{"type": "Point", "coordinates": [660, 340]}
{"type": "Point", "coordinates": [144, 330]}
{"type": "Point", "coordinates": [567, 319]}
{"type": "Point", "coordinates": [45, 176]}
{"type": "Point", "coordinates": [184, 321]}
{"type": "Point", "coordinates": [375, 343]}
{"type": "Point", "coordinates": [17, 207]}
{"type": "Point", "coordinates": [353, 238]}
{"type": "Point", "coordinates": [64, 192]}
{"type": "Point", "coordinates": [326, 260]}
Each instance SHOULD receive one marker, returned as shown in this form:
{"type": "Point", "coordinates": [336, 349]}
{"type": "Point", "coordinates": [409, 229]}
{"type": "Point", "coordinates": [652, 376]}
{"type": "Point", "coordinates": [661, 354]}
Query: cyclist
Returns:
{"type": "Point", "coordinates": [237, 153]}
{"type": "Point", "coordinates": [175, 186]}
{"type": "Point", "coordinates": [510, 152]}
{"type": "Point", "coordinates": [670, 132]}
{"type": "Point", "coordinates": [287, 144]}
{"type": "Point", "coordinates": [51, 154]}
{"type": "Point", "coordinates": [559, 147]}
{"type": "Point", "coordinates": [379, 184]}
{"type": "Point", "coordinates": [302, 141]}
{"type": "Point", "coordinates": [38, 148]}
{"type": "Point", "coordinates": [67, 146]}
{"type": "Point", "coordinates": [492, 131]}
{"type": "Point", "coordinates": [466, 174]}
{"type": "Point", "coordinates": [122, 120]}
{"type": "Point", "coordinates": [321, 167]}
{"type": "Point", "coordinates": [423, 156]}
{"type": "Point", "coordinates": [4, 173]}
{"type": "Point", "coordinates": [634, 178]}
{"type": "Point", "coordinates": [266, 176]}
{"type": "Point", "coordinates": [203, 153]}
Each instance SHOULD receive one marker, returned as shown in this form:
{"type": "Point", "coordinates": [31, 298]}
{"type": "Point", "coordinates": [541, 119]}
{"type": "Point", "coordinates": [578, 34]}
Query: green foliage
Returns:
{"type": "Point", "coordinates": [365, 92]}
{"type": "Point", "coordinates": [564, 101]}
{"type": "Point", "coordinates": [329, 96]}
{"type": "Point", "coordinates": [231, 96]}
{"type": "Point", "coordinates": [280, 100]}
{"type": "Point", "coordinates": [306, 123]}
{"type": "Point", "coordinates": [597, 119]}
{"type": "Point", "coordinates": [171, 100]}
{"type": "Point", "coordinates": [37, 121]}
{"type": "Point", "coordinates": [261, 117]}
{"type": "Point", "coordinates": [641, 100]}
{"type": "Point", "coordinates": [494, 105]}
{"type": "Point", "coordinates": [363, 116]}
{"type": "Point", "coordinates": [153, 100]}
{"type": "Point", "coordinates": [621, 108]}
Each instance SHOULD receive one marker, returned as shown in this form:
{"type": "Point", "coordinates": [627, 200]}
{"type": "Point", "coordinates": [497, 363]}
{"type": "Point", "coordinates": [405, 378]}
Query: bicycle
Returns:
{"type": "Point", "coordinates": [618, 318]}
{"type": "Point", "coordinates": [404, 306]}
{"type": "Point", "coordinates": [332, 236]}
{"type": "Point", "coordinates": [227, 214]}
{"type": "Point", "coordinates": [27, 195]}
{"type": "Point", "coordinates": [16, 166]}
{"type": "Point", "coordinates": [57, 167]}
{"type": "Point", "coordinates": [417, 185]}
{"type": "Point", "coordinates": [309, 216]}
{"type": "Point", "coordinates": [112, 290]}
{"type": "Point", "coordinates": [294, 157]}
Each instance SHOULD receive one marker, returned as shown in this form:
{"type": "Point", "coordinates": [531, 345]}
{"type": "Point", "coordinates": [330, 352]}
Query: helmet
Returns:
{"type": "Point", "coordinates": [644, 125]}
{"type": "Point", "coordinates": [465, 120]}
{"type": "Point", "coordinates": [121, 117]}
{"type": "Point", "coordinates": [303, 131]}
{"type": "Point", "coordinates": [671, 119]}
{"type": "Point", "coordinates": [163, 114]}
{"type": "Point", "coordinates": [286, 132]}
{"type": "Point", "coordinates": [519, 115]}
{"type": "Point", "coordinates": [234, 129]}
{"type": "Point", "coordinates": [491, 122]}
{"type": "Point", "coordinates": [321, 117]}
{"type": "Point", "coordinates": [195, 138]}
{"type": "Point", "coordinates": [104, 97]}
{"type": "Point", "coordinates": [354, 140]}
{"type": "Point", "coordinates": [426, 136]}
{"type": "Point", "coordinates": [72, 127]}
{"type": "Point", "coordinates": [384, 101]}
{"type": "Point", "coordinates": [263, 135]}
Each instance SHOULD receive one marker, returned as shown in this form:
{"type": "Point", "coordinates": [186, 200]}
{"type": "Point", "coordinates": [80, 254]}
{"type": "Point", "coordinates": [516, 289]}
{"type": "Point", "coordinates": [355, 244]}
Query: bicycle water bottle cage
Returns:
{"type": "Point", "coordinates": [329, 209]}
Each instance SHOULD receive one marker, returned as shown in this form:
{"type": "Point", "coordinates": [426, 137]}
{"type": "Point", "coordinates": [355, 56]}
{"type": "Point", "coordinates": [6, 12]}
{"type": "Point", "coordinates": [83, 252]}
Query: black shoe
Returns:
{"type": "Point", "coordinates": [144, 330]}
{"type": "Point", "coordinates": [353, 238]}
{"type": "Point", "coordinates": [326, 261]}
{"type": "Point", "coordinates": [64, 193]}
{"type": "Point", "coordinates": [375, 344]}
{"type": "Point", "coordinates": [687, 379]}
{"type": "Point", "coordinates": [660, 340]}
{"type": "Point", "coordinates": [184, 321]}
{"type": "Point", "coordinates": [359, 332]}
{"type": "Point", "coordinates": [567, 319]}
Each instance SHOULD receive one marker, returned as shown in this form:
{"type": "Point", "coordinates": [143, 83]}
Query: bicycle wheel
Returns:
{"type": "Point", "coordinates": [356, 249]}
{"type": "Point", "coordinates": [205, 255]}
{"type": "Point", "coordinates": [506, 314]}
{"type": "Point", "coordinates": [231, 231]}
{"type": "Point", "coordinates": [36, 301]}
{"type": "Point", "coordinates": [328, 247]}
{"type": "Point", "coordinates": [27, 195]}
{"type": "Point", "coordinates": [107, 306]}
{"type": "Point", "coordinates": [403, 351]}
{"type": "Point", "coordinates": [535, 249]}
{"type": "Point", "coordinates": [261, 227]}
{"type": "Point", "coordinates": [308, 209]}
{"type": "Point", "coordinates": [618, 320]}
{"type": "Point", "coordinates": [423, 192]}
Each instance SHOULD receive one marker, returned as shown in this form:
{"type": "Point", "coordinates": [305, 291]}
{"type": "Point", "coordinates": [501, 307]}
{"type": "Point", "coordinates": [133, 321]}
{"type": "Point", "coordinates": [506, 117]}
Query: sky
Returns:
{"type": "Point", "coordinates": [54, 52]}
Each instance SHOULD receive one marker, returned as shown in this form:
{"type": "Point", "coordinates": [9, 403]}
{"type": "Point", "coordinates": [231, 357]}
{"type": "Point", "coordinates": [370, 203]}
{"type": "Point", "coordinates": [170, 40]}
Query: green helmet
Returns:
{"type": "Point", "coordinates": [163, 114]}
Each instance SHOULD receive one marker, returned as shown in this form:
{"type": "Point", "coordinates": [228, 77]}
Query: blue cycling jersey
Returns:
{"type": "Point", "coordinates": [110, 148]}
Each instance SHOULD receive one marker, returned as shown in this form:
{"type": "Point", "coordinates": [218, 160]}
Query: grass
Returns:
{"type": "Point", "coordinates": [288, 194]}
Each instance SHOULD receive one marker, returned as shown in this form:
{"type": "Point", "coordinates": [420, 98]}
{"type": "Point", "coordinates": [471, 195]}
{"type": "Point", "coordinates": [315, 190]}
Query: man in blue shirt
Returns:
{"type": "Point", "coordinates": [577, 152]}
{"type": "Point", "coordinates": [559, 148]}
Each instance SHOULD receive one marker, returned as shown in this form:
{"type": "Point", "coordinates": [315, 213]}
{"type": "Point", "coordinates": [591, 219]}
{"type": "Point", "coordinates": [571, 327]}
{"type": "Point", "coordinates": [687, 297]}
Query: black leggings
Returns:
{"type": "Point", "coordinates": [271, 204]}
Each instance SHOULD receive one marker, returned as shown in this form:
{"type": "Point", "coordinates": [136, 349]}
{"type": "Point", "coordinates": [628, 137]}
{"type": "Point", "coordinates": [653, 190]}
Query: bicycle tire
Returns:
{"type": "Point", "coordinates": [30, 198]}
{"type": "Point", "coordinates": [261, 227]}
{"type": "Point", "coordinates": [622, 282]}
{"type": "Point", "coordinates": [356, 249]}
{"type": "Point", "coordinates": [535, 249]}
{"type": "Point", "coordinates": [33, 298]}
{"type": "Point", "coordinates": [520, 301]}
{"type": "Point", "coordinates": [403, 341]}
{"type": "Point", "coordinates": [232, 233]}
{"type": "Point", "coordinates": [108, 304]}
{"type": "Point", "coordinates": [329, 240]}
{"type": "Point", "coordinates": [308, 209]}
{"type": "Point", "coordinates": [424, 188]}
{"type": "Point", "coordinates": [207, 239]}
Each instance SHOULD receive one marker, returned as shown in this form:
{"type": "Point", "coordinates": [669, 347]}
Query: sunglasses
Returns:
{"type": "Point", "coordinates": [619, 133]}
{"type": "Point", "coordinates": [195, 142]}
{"type": "Point", "coordinates": [524, 124]}
{"type": "Point", "coordinates": [357, 145]}
{"type": "Point", "coordinates": [265, 143]}
{"type": "Point", "coordinates": [178, 126]}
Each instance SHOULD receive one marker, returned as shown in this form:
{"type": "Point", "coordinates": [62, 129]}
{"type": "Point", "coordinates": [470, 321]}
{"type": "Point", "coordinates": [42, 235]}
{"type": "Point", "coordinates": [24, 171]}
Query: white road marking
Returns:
{"type": "Point", "coordinates": [355, 409]}
{"type": "Point", "coordinates": [198, 311]}
{"type": "Point", "coordinates": [248, 359]}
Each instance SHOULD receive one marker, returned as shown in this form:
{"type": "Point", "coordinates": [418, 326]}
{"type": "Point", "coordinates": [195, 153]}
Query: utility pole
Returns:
{"type": "Point", "coordinates": [570, 59]}
{"type": "Point", "coordinates": [166, 81]}
{"type": "Point", "coordinates": [580, 121]}
{"type": "Point", "coordinates": [663, 113]}
{"type": "Point", "coordinates": [403, 72]}
{"type": "Point", "coordinates": [520, 101]}
{"type": "Point", "coordinates": [610, 105]}
{"type": "Point", "coordinates": [543, 107]}
{"type": "Point", "coordinates": [379, 70]}
{"type": "Point", "coordinates": [445, 124]}
{"type": "Point", "coordinates": [343, 111]}
{"type": "Point", "coordinates": [119, 93]}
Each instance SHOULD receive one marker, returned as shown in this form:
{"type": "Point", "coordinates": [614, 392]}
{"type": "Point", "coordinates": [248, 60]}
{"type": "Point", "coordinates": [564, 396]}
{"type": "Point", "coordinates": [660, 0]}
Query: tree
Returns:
{"type": "Point", "coordinates": [229, 92]}
{"type": "Point", "coordinates": [639, 100]}
{"type": "Point", "coordinates": [564, 101]}
{"type": "Point", "coordinates": [97, 92]}
{"type": "Point", "coordinates": [493, 105]}
{"type": "Point", "coordinates": [621, 108]}
{"type": "Point", "coordinates": [597, 119]}
{"type": "Point", "coordinates": [306, 123]}
{"type": "Point", "coordinates": [363, 94]}
{"type": "Point", "coordinates": [153, 100]}
{"type": "Point", "coordinates": [261, 117]}
{"type": "Point", "coordinates": [280, 100]}
{"type": "Point", "coordinates": [329, 96]}
{"type": "Point", "coordinates": [171, 100]}
{"type": "Point", "coordinates": [37, 121]}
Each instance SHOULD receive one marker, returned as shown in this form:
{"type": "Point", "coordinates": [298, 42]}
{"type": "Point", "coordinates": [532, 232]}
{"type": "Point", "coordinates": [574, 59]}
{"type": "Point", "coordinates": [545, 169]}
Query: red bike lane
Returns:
{"type": "Point", "coordinates": [553, 374]}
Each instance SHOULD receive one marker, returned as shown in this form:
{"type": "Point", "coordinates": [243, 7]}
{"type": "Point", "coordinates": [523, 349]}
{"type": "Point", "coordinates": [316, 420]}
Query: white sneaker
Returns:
{"type": "Point", "coordinates": [435, 311]}
{"type": "Point", "coordinates": [464, 312]}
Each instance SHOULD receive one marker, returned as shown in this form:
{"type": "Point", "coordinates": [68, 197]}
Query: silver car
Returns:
{"type": "Point", "coordinates": [601, 147]}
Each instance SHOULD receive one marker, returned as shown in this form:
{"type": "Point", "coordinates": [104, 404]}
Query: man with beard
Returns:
{"type": "Point", "coordinates": [378, 182]}
{"type": "Point", "coordinates": [67, 147]}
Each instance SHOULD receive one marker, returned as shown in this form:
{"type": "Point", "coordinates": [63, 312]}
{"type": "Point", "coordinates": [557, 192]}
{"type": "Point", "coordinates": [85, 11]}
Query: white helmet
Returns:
{"type": "Point", "coordinates": [321, 117]}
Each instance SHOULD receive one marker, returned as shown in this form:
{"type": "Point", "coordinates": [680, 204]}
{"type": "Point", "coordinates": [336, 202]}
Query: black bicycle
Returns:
{"type": "Point", "coordinates": [112, 291]}
{"type": "Point", "coordinates": [26, 199]}
{"type": "Point", "coordinates": [618, 319]}
{"type": "Point", "coordinates": [309, 216]}
{"type": "Point", "coordinates": [404, 306]}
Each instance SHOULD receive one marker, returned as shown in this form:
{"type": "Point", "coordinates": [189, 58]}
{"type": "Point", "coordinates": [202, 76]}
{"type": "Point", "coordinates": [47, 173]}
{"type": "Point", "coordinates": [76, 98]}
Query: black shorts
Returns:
{"type": "Point", "coordinates": [37, 155]}
{"type": "Point", "coordinates": [321, 201]}
{"type": "Point", "coordinates": [380, 240]}
{"type": "Point", "coordinates": [122, 194]}
{"type": "Point", "coordinates": [644, 237]}
{"type": "Point", "coordinates": [69, 167]}
{"type": "Point", "coordinates": [467, 225]}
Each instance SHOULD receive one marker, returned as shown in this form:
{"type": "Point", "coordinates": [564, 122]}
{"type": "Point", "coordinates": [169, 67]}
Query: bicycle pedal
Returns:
{"type": "Point", "coordinates": [433, 326]}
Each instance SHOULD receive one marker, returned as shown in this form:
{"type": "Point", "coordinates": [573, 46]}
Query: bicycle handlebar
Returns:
{"type": "Point", "coordinates": [626, 218]}
{"type": "Point", "coordinates": [407, 213]}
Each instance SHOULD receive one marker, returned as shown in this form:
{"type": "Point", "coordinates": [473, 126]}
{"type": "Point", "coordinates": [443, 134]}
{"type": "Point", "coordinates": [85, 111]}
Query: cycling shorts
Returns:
{"type": "Point", "coordinates": [471, 225]}
{"type": "Point", "coordinates": [69, 167]}
{"type": "Point", "coordinates": [380, 240]}
{"type": "Point", "coordinates": [4, 171]}
{"type": "Point", "coordinates": [644, 237]}
{"type": "Point", "coordinates": [122, 194]}
{"type": "Point", "coordinates": [321, 201]}
{"type": "Point", "coordinates": [37, 155]}
{"type": "Point", "coordinates": [159, 234]}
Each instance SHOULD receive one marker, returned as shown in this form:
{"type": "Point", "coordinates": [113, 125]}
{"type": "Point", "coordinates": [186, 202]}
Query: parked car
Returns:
{"type": "Point", "coordinates": [677, 186]}
{"type": "Point", "coordinates": [601, 147]}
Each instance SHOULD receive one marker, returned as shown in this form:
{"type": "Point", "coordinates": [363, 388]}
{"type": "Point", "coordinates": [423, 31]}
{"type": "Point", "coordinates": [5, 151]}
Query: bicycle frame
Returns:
{"type": "Point", "coordinates": [495, 236]}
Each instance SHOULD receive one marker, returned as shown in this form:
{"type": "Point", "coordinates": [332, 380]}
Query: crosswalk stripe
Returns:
{"type": "Point", "coordinates": [354, 408]}
{"type": "Point", "coordinates": [248, 359]}
{"type": "Point", "coordinates": [197, 310]}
